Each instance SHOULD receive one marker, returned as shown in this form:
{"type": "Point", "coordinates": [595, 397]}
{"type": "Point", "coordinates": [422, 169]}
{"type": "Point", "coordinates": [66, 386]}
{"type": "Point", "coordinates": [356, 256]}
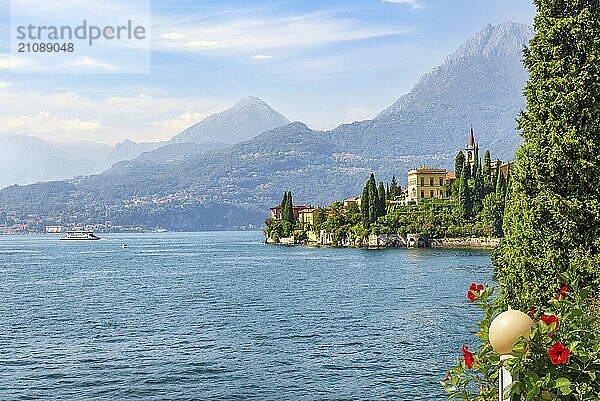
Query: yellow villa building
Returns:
{"type": "Point", "coordinates": [427, 183]}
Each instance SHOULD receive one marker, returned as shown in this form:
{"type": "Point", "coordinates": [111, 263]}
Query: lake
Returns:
{"type": "Point", "coordinates": [222, 316]}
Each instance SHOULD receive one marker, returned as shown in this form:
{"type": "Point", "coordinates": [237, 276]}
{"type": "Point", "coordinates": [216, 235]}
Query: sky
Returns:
{"type": "Point", "coordinates": [320, 62]}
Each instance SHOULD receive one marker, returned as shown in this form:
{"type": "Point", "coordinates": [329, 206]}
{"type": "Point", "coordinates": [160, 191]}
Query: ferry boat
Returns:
{"type": "Point", "coordinates": [74, 235]}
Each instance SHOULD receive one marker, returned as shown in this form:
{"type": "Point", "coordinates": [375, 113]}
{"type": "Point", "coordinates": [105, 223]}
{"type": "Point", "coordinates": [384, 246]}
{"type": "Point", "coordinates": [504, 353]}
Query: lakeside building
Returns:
{"type": "Point", "coordinates": [426, 183]}
{"type": "Point", "coordinates": [54, 229]}
{"type": "Point", "coordinates": [276, 211]}
{"type": "Point", "coordinates": [307, 215]}
{"type": "Point", "coordinates": [505, 167]}
{"type": "Point", "coordinates": [350, 201]}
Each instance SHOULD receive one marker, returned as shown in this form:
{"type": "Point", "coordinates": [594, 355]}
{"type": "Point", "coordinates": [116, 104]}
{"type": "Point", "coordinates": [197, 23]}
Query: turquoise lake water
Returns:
{"type": "Point", "coordinates": [221, 316]}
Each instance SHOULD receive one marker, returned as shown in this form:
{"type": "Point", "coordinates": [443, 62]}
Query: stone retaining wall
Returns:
{"type": "Point", "coordinates": [392, 241]}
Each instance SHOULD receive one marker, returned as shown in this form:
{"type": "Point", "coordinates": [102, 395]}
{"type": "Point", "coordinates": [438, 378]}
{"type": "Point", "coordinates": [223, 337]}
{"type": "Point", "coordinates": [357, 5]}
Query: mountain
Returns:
{"type": "Point", "coordinates": [25, 159]}
{"type": "Point", "coordinates": [233, 186]}
{"type": "Point", "coordinates": [129, 150]}
{"type": "Point", "coordinates": [250, 117]}
{"type": "Point", "coordinates": [480, 84]}
{"type": "Point", "coordinates": [174, 152]}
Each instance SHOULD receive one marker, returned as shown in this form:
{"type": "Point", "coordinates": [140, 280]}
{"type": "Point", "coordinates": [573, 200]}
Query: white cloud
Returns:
{"type": "Point", "coordinates": [44, 122]}
{"type": "Point", "coordinates": [413, 3]}
{"type": "Point", "coordinates": [10, 62]}
{"type": "Point", "coordinates": [90, 62]}
{"type": "Point", "coordinates": [147, 116]}
{"type": "Point", "coordinates": [173, 35]}
{"type": "Point", "coordinates": [260, 32]}
{"type": "Point", "coordinates": [180, 123]}
{"type": "Point", "coordinates": [4, 85]}
{"type": "Point", "coordinates": [203, 44]}
{"type": "Point", "coordinates": [262, 57]}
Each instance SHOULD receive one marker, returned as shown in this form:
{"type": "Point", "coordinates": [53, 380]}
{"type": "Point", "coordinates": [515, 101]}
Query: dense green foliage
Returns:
{"type": "Point", "coordinates": [552, 221]}
{"type": "Point", "coordinates": [434, 217]}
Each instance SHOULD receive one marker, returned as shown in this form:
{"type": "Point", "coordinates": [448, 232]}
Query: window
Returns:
{"type": "Point", "coordinates": [431, 194]}
{"type": "Point", "coordinates": [422, 182]}
{"type": "Point", "coordinates": [441, 182]}
{"type": "Point", "coordinates": [431, 182]}
{"type": "Point", "coordinates": [422, 194]}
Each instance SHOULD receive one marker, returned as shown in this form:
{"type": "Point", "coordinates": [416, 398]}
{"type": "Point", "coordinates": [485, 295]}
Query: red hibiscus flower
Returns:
{"type": "Point", "coordinates": [549, 320]}
{"type": "Point", "coordinates": [562, 294]}
{"type": "Point", "coordinates": [558, 354]}
{"type": "Point", "coordinates": [469, 359]}
{"type": "Point", "coordinates": [475, 291]}
{"type": "Point", "coordinates": [532, 311]}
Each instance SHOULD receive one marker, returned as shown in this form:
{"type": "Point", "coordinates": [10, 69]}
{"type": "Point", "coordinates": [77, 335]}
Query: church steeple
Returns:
{"type": "Point", "coordinates": [471, 149]}
{"type": "Point", "coordinates": [471, 138]}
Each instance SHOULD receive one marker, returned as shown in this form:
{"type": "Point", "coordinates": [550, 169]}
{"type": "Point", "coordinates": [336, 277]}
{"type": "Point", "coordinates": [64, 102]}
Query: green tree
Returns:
{"type": "Point", "coordinates": [500, 185]}
{"type": "Point", "coordinates": [364, 206]}
{"type": "Point", "coordinates": [492, 214]}
{"type": "Point", "coordinates": [373, 199]}
{"type": "Point", "coordinates": [284, 206]}
{"type": "Point", "coordinates": [394, 189]}
{"type": "Point", "coordinates": [320, 218]}
{"type": "Point", "coordinates": [465, 200]}
{"type": "Point", "coordinates": [476, 163]}
{"type": "Point", "coordinates": [381, 197]}
{"type": "Point", "coordinates": [552, 221]}
{"type": "Point", "coordinates": [487, 172]}
{"type": "Point", "coordinates": [459, 163]}
{"type": "Point", "coordinates": [287, 209]}
{"type": "Point", "coordinates": [478, 191]}
{"type": "Point", "coordinates": [466, 171]}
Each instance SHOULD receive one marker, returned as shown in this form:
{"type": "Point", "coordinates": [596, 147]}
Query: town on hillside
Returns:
{"type": "Point", "coordinates": [436, 204]}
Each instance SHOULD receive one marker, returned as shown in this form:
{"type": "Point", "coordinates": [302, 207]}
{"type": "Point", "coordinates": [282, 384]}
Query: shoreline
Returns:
{"type": "Point", "coordinates": [382, 241]}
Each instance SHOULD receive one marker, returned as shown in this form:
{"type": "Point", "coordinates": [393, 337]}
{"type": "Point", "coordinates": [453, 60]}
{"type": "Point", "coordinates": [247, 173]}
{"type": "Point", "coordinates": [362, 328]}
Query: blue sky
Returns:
{"type": "Point", "coordinates": [323, 63]}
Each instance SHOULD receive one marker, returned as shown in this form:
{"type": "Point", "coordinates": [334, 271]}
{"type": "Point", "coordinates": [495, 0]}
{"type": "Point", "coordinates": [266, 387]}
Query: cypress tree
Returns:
{"type": "Point", "coordinates": [283, 201]}
{"type": "Point", "coordinates": [459, 162]}
{"type": "Point", "coordinates": [284, 206]}
{"type": "Point", "coordinates": [364, 205]}
{"type": "Point", "coordinates": [290, 207]}
{"type": "Point", "coordinates": [287, 209]}
{"type": "Point", "coordinates": [479, 191]}
{"type": "Point", "coordinates": [487, 172]}
{"type": "Point", "coordinates": [500, 185]}
{"type": "Point", "coordinates": [476, 163]}
{"type": "Point", "coordinates": [373, 199]}
{"type": "Point", "coordinates": [381, 197]}
{"type": "Point", "coordinates": [508, 185]}
{"type": "Point", "coordinates": [393, 192]}
{"type": "Point", "coordinates": [466, 171]}
{"type": "Point", "coordinates": [465, 202]}
{"type": "Point", "coordinates": [552, 222]}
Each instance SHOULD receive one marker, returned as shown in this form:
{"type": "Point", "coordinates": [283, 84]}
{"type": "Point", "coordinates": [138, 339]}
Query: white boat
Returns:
{"type": "Point", "coordinates": [74, 235]}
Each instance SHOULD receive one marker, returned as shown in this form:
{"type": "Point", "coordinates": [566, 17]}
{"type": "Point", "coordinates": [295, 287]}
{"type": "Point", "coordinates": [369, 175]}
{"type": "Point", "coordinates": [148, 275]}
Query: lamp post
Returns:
{"type": "Point", "coordinates": [505, 331]}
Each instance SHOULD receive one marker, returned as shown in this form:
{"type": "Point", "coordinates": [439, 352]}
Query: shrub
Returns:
{"type": "Point", "coordinates": [560, 360]}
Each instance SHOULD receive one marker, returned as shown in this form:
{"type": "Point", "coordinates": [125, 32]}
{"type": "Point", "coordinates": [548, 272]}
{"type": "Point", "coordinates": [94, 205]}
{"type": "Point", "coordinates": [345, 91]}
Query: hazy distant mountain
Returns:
{"type": "Point", "coordinates": [129, 150]}
{"type": "Point", "coordinates": [245, 120]}
{"type": "Point", "coordinates": [480, 84]}
{"type": "Point", "coordinates": [26, 159]}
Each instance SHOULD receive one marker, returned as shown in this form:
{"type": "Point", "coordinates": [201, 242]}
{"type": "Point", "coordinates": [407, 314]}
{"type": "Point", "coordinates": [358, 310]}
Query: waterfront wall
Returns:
{"type": "Point", "coordinates": [391, 241]}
